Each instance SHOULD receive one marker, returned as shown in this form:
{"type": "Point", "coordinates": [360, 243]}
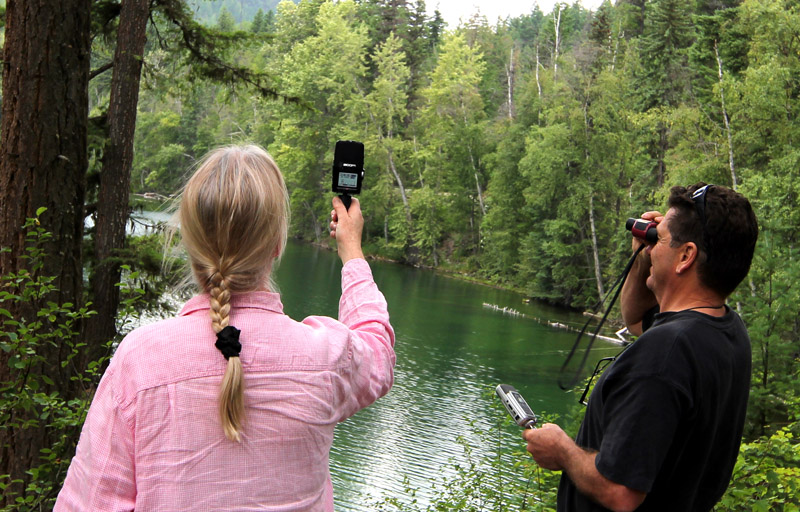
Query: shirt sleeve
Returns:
{"type": "Point", "coordinates": [364, 311]}
{"type": "Point", "coordinates": [101, 476]}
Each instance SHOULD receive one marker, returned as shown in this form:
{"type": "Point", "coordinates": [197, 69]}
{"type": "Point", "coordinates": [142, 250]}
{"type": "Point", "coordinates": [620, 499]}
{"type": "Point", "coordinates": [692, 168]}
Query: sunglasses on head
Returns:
{"type": "Point", "coordinates": [699, 197]}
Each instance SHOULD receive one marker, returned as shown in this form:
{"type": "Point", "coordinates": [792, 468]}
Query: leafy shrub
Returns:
{"type": "Point", "coordinates": [766, 477]}
{"type": "Point", "coordinates": [31, 399]}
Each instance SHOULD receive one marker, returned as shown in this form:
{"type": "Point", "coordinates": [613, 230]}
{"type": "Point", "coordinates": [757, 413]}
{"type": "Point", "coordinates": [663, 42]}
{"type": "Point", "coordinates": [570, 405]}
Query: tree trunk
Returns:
{"type": "Point", "coordinates": [620, 35]}
{"type": "Point", "coordinates": [113, 197]}
{"type": "Point", "coordinates": [403, 194]}
{"type": "Point", "coordinates": [725, 119]}
{"type": "Point", "coordinates": [538, 87]}
{"type": "Point", "coordinates": [510, 83]}
{"type": "Point", "coordinates": [598, 275]}
{"type": "Point", "coordinates": [43, 161]}
{"type": "Point", "coordinates": [557, 42]}
{"type": "Point", "coordinates": [478, 188]}
{"type": "Point", "coordinates": [472, 162]}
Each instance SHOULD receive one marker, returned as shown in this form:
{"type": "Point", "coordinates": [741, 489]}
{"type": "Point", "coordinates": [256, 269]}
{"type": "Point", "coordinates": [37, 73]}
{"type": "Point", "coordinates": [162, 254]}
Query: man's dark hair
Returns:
{"type": "Point", "coordinates": [726, 241]}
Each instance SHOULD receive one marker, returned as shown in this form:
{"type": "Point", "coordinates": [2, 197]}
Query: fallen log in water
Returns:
{"type": "Point", "coordinates": [621, 338]}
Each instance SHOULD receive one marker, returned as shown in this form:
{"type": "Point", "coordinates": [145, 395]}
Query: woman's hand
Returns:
{"type": "Point", "coordinates": [346, 228]}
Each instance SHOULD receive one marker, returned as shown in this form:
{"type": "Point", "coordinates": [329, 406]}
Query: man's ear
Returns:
{"type": "Point", "coordinates": [688, 256]}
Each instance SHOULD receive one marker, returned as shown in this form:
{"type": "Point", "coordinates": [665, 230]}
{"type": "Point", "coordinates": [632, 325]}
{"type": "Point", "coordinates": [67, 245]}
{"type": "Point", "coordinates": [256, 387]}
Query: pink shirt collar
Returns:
{"type": "Point", "coordinates": [250, 300]}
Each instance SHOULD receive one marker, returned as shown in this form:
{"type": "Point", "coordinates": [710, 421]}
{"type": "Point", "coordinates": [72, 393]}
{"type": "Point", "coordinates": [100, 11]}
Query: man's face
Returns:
{"type": "Point", "coordinates": [663, 257]}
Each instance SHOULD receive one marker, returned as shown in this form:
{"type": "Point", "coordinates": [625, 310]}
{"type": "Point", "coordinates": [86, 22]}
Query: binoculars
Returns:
{"type": "Point", "coordinates": [643, 229]}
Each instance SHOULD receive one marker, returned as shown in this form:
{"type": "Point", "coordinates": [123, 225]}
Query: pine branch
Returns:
{"type": "Point", "coordinates": [204, 45]}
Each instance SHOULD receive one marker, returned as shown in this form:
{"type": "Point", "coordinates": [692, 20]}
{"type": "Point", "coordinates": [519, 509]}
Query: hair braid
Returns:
{"type": "Point", "coordinates": [220, 302]}
{"type": "Point", "coordinates": [231, 393]}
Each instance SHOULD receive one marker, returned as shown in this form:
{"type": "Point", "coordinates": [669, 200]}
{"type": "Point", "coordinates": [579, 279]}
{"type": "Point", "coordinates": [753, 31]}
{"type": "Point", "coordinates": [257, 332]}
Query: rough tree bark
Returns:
{"type": "Point", "coordinates": [43, 161]}
{"type": "Point", "coordinates": [113, 197]}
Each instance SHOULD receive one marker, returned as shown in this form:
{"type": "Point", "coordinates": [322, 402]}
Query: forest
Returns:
{"type": "Point", "coordinates": [208, 11]}
{"type": "Point", "coordinates": [509, 151]}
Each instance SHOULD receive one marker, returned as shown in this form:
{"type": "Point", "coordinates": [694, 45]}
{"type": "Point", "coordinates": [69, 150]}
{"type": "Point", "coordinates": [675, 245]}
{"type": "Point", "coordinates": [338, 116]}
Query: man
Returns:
{"type": "Point", "coordinates": [664, 423]}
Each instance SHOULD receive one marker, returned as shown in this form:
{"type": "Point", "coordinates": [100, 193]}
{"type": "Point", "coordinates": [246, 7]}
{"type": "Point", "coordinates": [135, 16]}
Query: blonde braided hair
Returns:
{"type": "Point", "coordinates": [236, 192]}
{"type": "Point", "coordinates": [231, 393]}
{"type": "Point", "coordinates": [220, 300]}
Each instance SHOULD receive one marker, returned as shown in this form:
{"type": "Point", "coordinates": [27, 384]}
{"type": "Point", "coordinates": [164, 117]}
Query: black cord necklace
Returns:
{"type": "Point", "coordinates": [704, 307]}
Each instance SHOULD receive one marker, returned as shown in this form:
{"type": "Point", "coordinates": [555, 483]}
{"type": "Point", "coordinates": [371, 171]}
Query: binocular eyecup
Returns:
{"type": "Point", "coordinates": [642, 229]}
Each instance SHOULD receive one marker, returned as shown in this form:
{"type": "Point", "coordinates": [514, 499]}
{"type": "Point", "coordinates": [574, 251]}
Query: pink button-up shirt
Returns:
{"type": "Point", "coordinates": [153, 441]}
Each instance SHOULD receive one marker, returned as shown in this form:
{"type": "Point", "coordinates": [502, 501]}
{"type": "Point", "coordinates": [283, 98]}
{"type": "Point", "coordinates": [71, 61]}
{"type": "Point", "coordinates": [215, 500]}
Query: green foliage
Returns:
{"type": "Point", "coordinates": [155, 165]}
{"type": "Point", "coordinates": [41, 394]}
{"type": "Point", "coordinates": [207, 11]}
{"type": "Point", "coordinates": [225, 21]}
{"type": "Point", "coordinates": [382, 112]}
{"type": "Point", "coordinates": [505, 224]}
{"type": "Point", "coordinates": [767, 475]}
{"type": "Point", "coordinates": [451, 123]}
{"type": "Point", "coordinates": [263, 23]}
{"type": "Point", "coordinates": [668, 35]}
{"type": "Point", "coordinates": [198, 52]}
{"type": "Point", "coordinates": [427, 207]}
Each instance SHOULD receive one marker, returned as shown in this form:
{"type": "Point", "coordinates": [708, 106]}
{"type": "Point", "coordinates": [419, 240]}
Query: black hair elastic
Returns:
{"type": "Point", "coordinates": [228, 342]}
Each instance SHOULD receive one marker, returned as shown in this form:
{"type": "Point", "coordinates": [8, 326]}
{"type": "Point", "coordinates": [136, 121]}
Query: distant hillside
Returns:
{"type": "Point", "coordinates": [207, 11]}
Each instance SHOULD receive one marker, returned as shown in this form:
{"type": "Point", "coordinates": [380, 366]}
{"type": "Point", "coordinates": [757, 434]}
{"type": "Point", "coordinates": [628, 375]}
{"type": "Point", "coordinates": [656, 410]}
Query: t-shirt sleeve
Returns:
{"type": "Point", "coordinates": [641, 416]}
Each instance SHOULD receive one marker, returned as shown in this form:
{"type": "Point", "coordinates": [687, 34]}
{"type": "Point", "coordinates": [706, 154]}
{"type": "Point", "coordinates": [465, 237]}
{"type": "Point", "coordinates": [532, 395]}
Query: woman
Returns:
{"type": "Point", "coordinates": [232, 405]}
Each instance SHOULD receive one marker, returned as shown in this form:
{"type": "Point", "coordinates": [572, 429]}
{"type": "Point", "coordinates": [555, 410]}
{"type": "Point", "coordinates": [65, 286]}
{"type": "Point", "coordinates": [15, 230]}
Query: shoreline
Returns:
{"type": "Point", "coordinates": [614, 324]}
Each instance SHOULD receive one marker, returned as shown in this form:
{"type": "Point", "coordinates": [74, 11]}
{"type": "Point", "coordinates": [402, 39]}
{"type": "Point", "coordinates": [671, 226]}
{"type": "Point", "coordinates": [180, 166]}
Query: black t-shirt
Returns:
{"type": "Point", "coordinates": [666, 417]}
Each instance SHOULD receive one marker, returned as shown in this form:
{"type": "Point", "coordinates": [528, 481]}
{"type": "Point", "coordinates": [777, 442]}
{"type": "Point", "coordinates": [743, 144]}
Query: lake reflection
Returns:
{"type": "Point", "coordinates": [452, 351]}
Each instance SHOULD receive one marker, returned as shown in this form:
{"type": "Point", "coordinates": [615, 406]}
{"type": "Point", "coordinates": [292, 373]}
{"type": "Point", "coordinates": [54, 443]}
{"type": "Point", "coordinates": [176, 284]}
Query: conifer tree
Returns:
{"type": "Point", "coordinates": [258, 25]}
{"type": "Point", "coordinates": [226, 21]}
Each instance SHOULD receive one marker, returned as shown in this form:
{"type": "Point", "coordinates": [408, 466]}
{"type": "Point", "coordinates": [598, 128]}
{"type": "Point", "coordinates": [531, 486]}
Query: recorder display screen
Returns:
{"type": "Point", "coordinates": [348, 180]}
